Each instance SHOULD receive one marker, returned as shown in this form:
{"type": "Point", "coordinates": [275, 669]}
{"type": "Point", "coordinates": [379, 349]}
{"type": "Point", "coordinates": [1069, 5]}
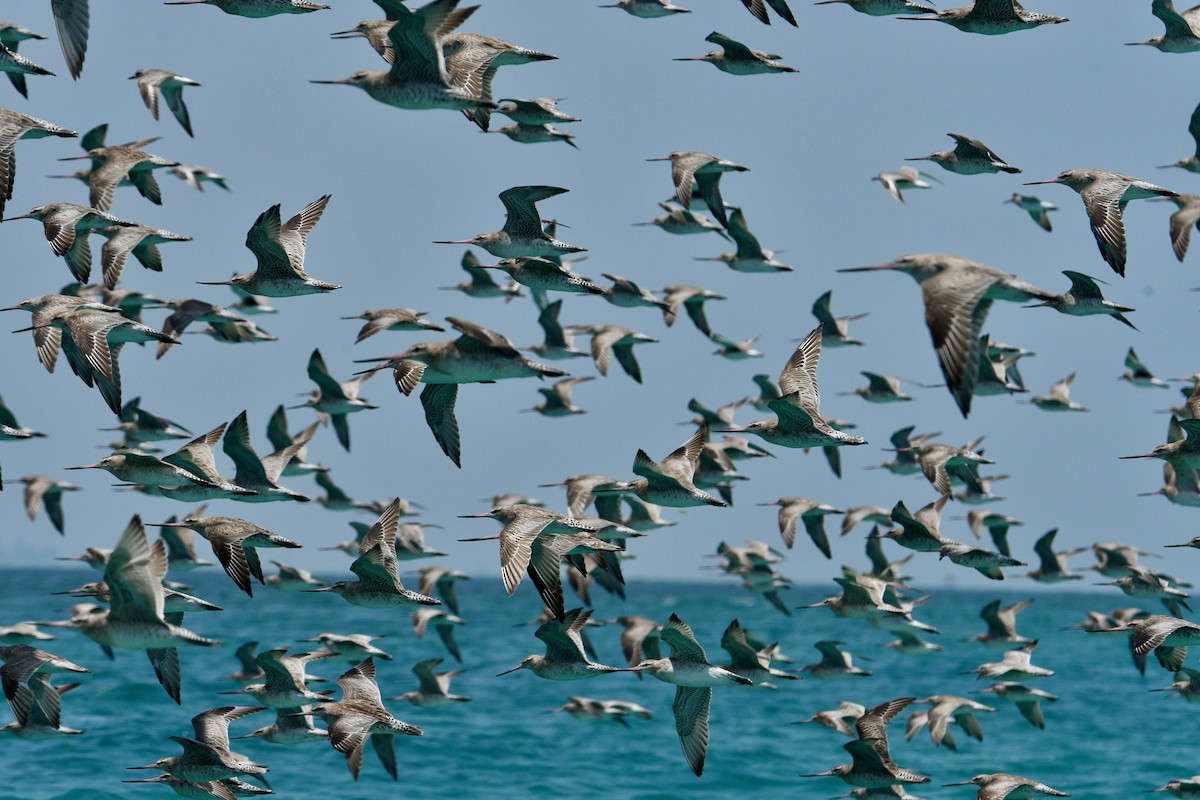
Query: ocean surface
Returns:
{"type": "Point", "coordinates": [1108, 737]}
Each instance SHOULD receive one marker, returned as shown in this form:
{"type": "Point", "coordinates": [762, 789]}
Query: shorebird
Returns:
{"type": "Point", "coordinates": [140, 240]}
{"type": "Point", "coordinates": [625, 293]}
{"type": "Point", "coordinates": [255, 9]}
{"type": "Point", "coordinates": [134, 574]}
{"type": "Point", "coordinates": [536, 134]}
{"type": "Point", "coordinates": [259, 475]}
{"type": "Point", "coordinates": [535, 111]}
{"type": "Point", "coordinates": [738, 59]}
{"type": "Point", "coordinates": [835, 331]}
{"type": "Point", "coordinates": [1147, 584]}
{"type": "Point", "coordinates": [292, 579]}
{"type": "Point", "coordinates": [38, 711]}
{"type": "Point", "coordinates": [838, 719]}
{"type": "Point", "coordinates": [691, 299]}
{"type": "Point", "coordinates": [1015, 666]}
{"type": "Point", "coordinates": [23, 633]}
{"type": "Point", "coordinates": [1182, 221]}
{"type": "Point", "coordinates": [610, 340]}
{"type": "Point", "coordinates": [565, 659]}
{"type": "Point", "coordinates": [285, 681]}
{"type": "Point", "coordinates": [880, 389]}
{"type": "Point", "coordinates": [392, 319]}
{"type": "Point", "coordinates": [985, 562]}
{"type": "Point", "coordinates": [442, 623]}
{"type": "Point", "coordinates": [1052, 564]}
{"type": "Point", "coordinates": [281, 439]}
{"type": "Point", "coordinates": [45, 489]}
{"type": "Point", "coordinates": [947, 708]}
{"type": "Point", "coordinates": [969, 157]}
{"type": "Point", "coordinates": [904, 177]}
{"type": "Point", "coordinates": [522, 235]}
{"type": "Point", "coordinates": [543, 275]}
{"type": "Point", "coordinates": [958, 293]}
{"type": "Point", "coordinates": [352, 647]}
{"type": "Point", "coordinates": [378, 571]}
{"type": "Point", "coordinates": [93, 344]}
{"type": "Point", "coordinates": [750, 256]}
{"type": "Point", "coordinates": [1139, 374]}
{"type": "Point", "coordinates": [669, 482]}
{"type": "Point", "coordinates": [798, 420]}
{"type": "Point", "coordinates": [196, 176]}
{"type": "Point", "coordinates": [557, 402]}
{"type": "Point", "coordinates": [1085, 299]}
{"type": "Point", "coordinates": [991, 17]}
{"type": "Point", "coordinates": [688, 668]}
{"type": "Point", "coordinates": [1059, 398]}
{"type": "Point", "coordinates": [443, 580]}
{"type": "Point", "coordinates": [289, 728]}
{"type": "Point", "coordinates": [234, 543]}
{"type": "Point", "coordinates": [872, 765]}
{"type": "Point", "coordinates": [13, 126]}
{"type": "Point", "coordinates": [759, 9]}
{"type": "Point", "coordinates": [1001, 785]}
{"type": "Point", "coordinates": [478, 355]}
{"type": "Point", "coordinates": [207, 757]}
{"type": "Point", "coordinates": [1192, 162]}
{"type": "Point", "coordinates": [1038, 210]}
{"type": "Point", "coordinates": [1105, 195]}
{"type": "Point", "coordinates": [1002, 624]}
{"type": "Point", "coordinates": [535, 539]}
{"type": "Point", "coordinates": [1182, 34]}
{"type": "Point", "coordinates": [25, 676]}
{"type": "Point", "coordinates": [1168, 637]}
{"type": "Point", "coordinates": [919, 531]}
{"type": "Point", "coordinates": [681, 221]}
{"type": "Point", "coordinates": [748, 659]}
{"type": "Point", "coordinates": [13, 64]}
{"type": "Point", "coordinates": [811, 513]}
{"type": "Point", "coordinates": [279, 249]}
{"type": "Point", "coordinates": [1187, 788]}
{"type": "Point", "coordinates": [835, 663]}
{"type": "Point", "coordinates": [360, 715]}
{"type": "Point", "coordinates": [116, 163]}
{"type": "Point", "coordinates": [481, 283]}
{"type": "Point", "coordinates": [735, 350]}
{"type": "Point", "coordinates": [434, 687]}
{"type": "Point", "coordinates": [67, 226]}
{"type": "Point", "coordinates": [648, 9]}
{"type": "Point", "coordinates": [1026, 699]}
{"type": "Point", "coordinates": [336, 399]}
{"type": "Point", "coordinates": [689, 167]}
{"type": "Point", "coordinates": [151, 82]}
{"type": "Point", "coordinates": [876, 515]}
{"type": "Point", "coordinates": [615, 710]}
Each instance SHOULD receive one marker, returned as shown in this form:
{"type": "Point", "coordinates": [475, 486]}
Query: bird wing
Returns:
{"type": "Point", "coordinates": [71, 21]}
{"type": "Point", "coordinates": [747, 243]}
{"type": "Point", "coordinates": [516, 543]}
{"type": "Point", "coordinates": [358, 684]}
{"type": "Point", "coordinates": [1083, 286]}
{"type": "Point", "coordinates": [416, 39]}
{"type": "Point", "coordinates": [248, 468]}
{"type": "Point", "coordinates": [679, 637]}
{"type": "Point", "coordinates": [691, 709]}
{"type": "Point", "coordinates": [438, 401]}
{"type": "Point", "coordinates": [955, 310]}
{"type": "Point", "coordinates": [134, 575]}
{"type": "Point", "coordinates": [681, 463]}
{"type": "Point", "coordinates": [318, 373]}
{"type": "Point", "coordinates": [520, 203]}
{"type": "Point", "coordinates": [1104, 207]}
{"type": "Point", "coordinates": [800, 373]}
{"type": "Point", "coordinates": [1176, 26]}
{"type": "Point", "coordinates": [293, 236]}
{"type": "Point", "coordinates": [173, 94]}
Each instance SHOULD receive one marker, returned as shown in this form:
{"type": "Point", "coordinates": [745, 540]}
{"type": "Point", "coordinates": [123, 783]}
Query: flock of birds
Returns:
{"type": "Point", "coordinates": [428, 63]}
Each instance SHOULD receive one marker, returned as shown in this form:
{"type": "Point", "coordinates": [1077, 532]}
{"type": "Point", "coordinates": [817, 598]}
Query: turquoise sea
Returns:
{"type": "Point", "coordinates": [1108, 736]}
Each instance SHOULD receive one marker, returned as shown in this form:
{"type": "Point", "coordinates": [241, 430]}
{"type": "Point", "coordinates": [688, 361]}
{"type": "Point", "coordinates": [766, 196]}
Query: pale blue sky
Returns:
{"type": "Point", "coordinates": [870, 92]}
